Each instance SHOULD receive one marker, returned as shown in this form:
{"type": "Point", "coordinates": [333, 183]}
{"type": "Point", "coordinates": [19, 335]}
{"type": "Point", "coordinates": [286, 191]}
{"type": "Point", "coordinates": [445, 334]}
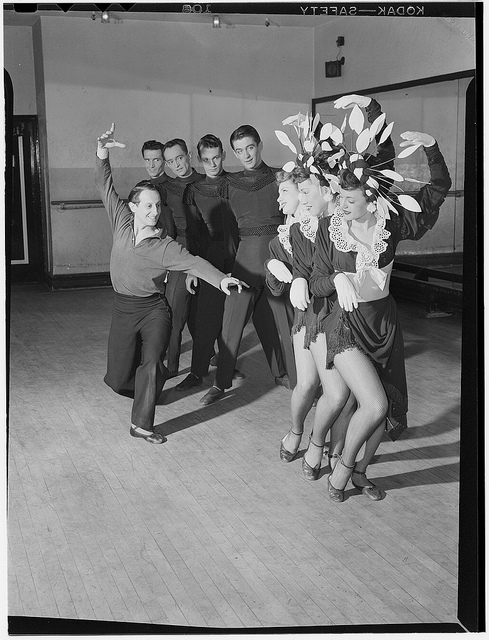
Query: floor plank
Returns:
{"type": "Point", "coordinates": [211, 529]}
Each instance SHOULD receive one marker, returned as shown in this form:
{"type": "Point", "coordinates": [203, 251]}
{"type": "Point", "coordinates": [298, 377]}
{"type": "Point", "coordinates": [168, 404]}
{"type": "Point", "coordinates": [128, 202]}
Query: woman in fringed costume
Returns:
{"type": "Point", "coordinates": [319, 201]}
{"type": "Point", "coordinates": [278, 268]}
{"type": "Point", "coordinates": [355, 251]}
{"type": "Point", "coordinates": [299, 230]}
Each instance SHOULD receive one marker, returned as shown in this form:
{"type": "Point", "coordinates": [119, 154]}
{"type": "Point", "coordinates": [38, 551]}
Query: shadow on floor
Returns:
{"type": "Point", "coordinates": [442, 474]}
{"type": "Point", "coordinates": [230, 402]}
{"type": "Point", "coordinates": [446, 422]}
{"type": "Point", "coordinates": [431, 452]}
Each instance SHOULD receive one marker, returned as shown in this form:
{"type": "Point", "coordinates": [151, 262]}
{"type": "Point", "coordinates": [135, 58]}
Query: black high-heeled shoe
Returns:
{"type": "Point", "coordinates": [338, 495]}
{"type": "Point", "coordinates": [308, 472]}
{"type": "Point", "coordinates": [285, 455]}
{"type": "Point", "coordinates": [370, 490]}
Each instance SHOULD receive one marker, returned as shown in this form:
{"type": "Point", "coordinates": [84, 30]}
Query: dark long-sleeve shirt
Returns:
{"type": "Point", "coordinates": [214, 209]}
{"type": "Point", "coordinates": [278, 252]}
{"type": "Point", "coordinates": [166, 216]}
{"type": "Point", "coordinates": [253, 197]}
{"type": "Point", "coordinates": [188, 223]}
{"type": "Point", "coordinates": [141, 269]}
{"type": "Point", "coordinates": [385, 152]}
{"type": "Point", "coordinates": [303, 252]}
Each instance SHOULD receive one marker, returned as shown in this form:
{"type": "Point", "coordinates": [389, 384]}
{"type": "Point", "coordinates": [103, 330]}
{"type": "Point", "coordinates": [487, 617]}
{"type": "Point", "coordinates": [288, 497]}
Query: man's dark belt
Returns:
{"type": "Point", "coordinates": [151, 296]}
{"type": "Point", "coordinates": [266, 230]}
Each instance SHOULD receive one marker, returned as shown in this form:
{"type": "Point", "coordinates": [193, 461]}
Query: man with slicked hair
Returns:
{"type": "Point", "coordinates": [208, 196]}
{"type": "Point", "coordinates": [252, 195]}
{"type": "Point", "coordinates": [152, 152]}
{"type": "Point", "coordinates": [191, 233]}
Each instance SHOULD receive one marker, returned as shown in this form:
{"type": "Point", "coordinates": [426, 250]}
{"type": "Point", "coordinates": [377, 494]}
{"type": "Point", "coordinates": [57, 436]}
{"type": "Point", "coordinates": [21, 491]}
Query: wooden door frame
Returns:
{"type": "Point", "coordinates": [34, 270]}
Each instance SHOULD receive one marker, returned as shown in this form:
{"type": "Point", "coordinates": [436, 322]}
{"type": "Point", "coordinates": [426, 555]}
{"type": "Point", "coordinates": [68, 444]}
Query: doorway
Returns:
{"type": "Point", "coordinates": [24, 227]}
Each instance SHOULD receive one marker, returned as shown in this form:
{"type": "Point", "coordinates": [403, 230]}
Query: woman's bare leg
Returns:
{"type": "Point", "coordinates": [303, 392]}
{"type": "Point", "coordinates": [362, 462]}
{"type": "Point", "coordinates": [361, 377]}
{"type": "Point", "coordinates": [335, 394]}
{"type": "Point", "coordinates": [339, 429]}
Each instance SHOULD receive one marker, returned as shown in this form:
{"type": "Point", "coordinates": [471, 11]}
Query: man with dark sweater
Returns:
{"type": "Point", "coordinates": [252, 195]}
{"type": "Point", "coordinates": [208, 196]}
{"type": "Point", "coordinates": [190, 233]}
{"type": "Point", "coordinates": [152, 152]}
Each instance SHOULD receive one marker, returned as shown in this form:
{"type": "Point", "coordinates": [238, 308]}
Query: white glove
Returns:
{"type": "Point", "coordinates": [416, 137]}
{"type": "Point", "coordinates": [347, 295]}
{"type": "Point", "coordinates": [279, 270]}
{"type": "Point", "coordinates": [346, 102]}
{"type": "Point", "coordinates": [299, 294]}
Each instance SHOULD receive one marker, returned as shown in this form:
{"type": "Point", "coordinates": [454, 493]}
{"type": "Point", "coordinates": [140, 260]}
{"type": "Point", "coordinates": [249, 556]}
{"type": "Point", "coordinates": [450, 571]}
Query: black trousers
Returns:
{"type": "Point", "coordinates": [138, 339]}
{"type": "Point", "coordinates": [210, 309]}
{"type": "Point", "coordinates": [283, 312]}
{"type": "Point", "coordinates": [184, 307]}
{"type": "Point", "coordinates": [255, 302]}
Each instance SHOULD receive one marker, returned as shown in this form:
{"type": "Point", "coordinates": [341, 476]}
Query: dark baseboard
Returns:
{"type": "Point", "coordinates": [78, 281]}
{"type": "Point", "coordinates": [439, 260]}
{"type": "Point", "coordinates": [435, 297]}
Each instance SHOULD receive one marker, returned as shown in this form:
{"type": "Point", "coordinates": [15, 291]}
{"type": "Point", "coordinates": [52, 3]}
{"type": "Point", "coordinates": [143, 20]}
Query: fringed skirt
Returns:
{"type": "Point", "coordinates": [374, 329]}
{"type": "Point", "coordinates": [312, 319]}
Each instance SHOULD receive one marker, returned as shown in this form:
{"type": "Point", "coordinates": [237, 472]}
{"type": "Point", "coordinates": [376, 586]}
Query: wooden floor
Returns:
{"type": "Point", "coordinates": [211, 529]}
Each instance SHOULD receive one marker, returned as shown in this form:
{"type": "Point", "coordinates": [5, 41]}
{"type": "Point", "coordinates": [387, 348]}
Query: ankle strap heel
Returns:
{"type": "Point", "coordinates": [338, 495]}
{"type": "Point", "coordinates": [369, 490]}
{"type": "Point", "coordinates": [285, 454]}
{"type": "Point", "coordinates": [308, 472]}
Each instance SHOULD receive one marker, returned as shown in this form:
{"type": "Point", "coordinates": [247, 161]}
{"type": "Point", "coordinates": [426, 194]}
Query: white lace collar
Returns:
{"type": "Point", "coordinates": [308, 227]}
{"type": "Point", "coordinates": [283, 231]}
{"type": "Point", "coordinates": [308, 224]}
{"type": "Point", "coordinates": [284, 236]}
{"type": "Point", "coordinates": [339, 232]}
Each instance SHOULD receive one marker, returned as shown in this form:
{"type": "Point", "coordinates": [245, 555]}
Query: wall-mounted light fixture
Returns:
{"type": "Point", "coordinates": [333, 67]}
{"type": "Point", "coordinates": [216, 22]}
{"type": "Point", "coordinates": [106, 17]}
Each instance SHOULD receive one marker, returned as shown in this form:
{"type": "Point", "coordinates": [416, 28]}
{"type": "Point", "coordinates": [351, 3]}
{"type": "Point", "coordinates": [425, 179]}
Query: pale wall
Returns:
{"type": "Point", "coordinates": [18, 59]}
{"type": "Point", "coordinates": [155, 80]}
{"type": "Point", "coordinates": [380, 51]}
{"type": "Point", "coordinates": [165, 80]}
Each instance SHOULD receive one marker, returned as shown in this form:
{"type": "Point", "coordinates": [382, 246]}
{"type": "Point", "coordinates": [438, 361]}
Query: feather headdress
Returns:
{"type": "Point", "coordinates": [326, 153]}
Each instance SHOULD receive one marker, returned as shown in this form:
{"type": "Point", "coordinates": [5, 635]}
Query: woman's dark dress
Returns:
{"type": "Point", "coordinates": [374, 326]}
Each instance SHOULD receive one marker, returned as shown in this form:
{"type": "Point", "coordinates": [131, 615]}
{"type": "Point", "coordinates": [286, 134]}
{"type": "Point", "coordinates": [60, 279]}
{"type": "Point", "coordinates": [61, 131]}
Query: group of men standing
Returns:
{"type": "Point", "coordinates": [229, 219]}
